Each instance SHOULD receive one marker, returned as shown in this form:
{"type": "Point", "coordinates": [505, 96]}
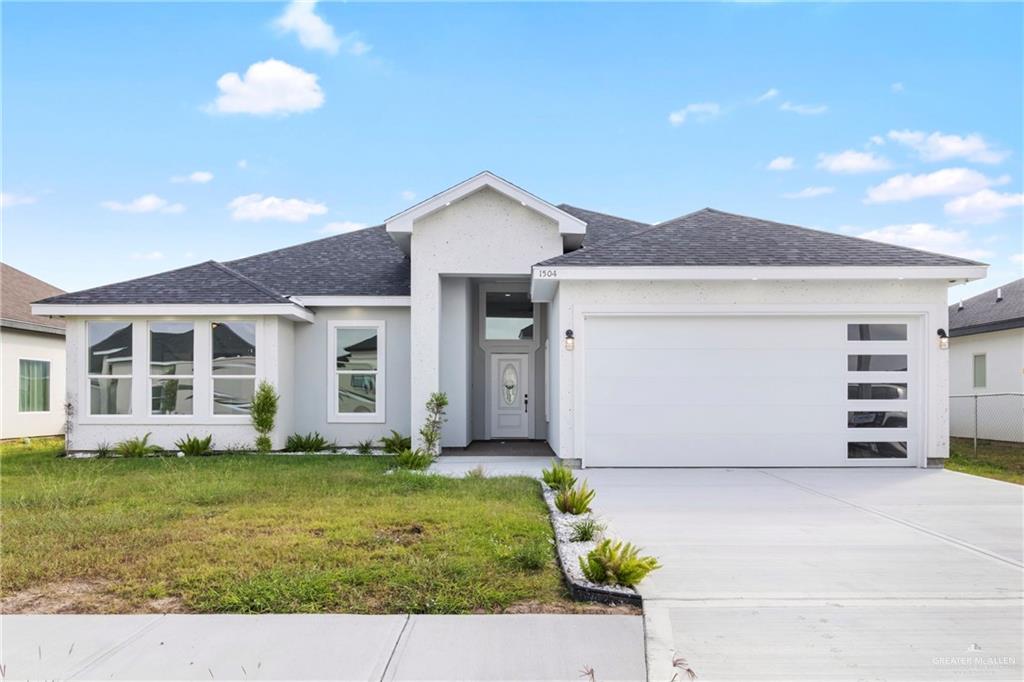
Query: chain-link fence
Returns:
{"type": "Point", "coordinates": [990, 416]}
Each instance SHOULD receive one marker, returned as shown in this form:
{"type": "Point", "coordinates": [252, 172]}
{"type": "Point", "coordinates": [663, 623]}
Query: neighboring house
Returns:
{"type": "Point", "coordinates": [31, 359]}
{"type": "Point", "coordinates": [712, 339]}
{"type": "Point", "coordinates": [986, 358]}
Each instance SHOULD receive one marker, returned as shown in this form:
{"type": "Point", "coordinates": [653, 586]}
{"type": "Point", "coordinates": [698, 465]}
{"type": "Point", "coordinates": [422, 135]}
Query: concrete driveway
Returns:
{"type": "Point", "coordinates": [819, 574]}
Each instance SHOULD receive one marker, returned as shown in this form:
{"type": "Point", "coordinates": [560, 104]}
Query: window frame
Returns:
{"type": "Point", "coordinates": [974, 370]}
{"type": "Point", "coordinates": [149, 369]}
{"type": "Point", "coordinates": [256, 376]}
{"type": "Point", "coordinates": [130, 376]}
{"type": "Point", "coordinates": [49, 386]}
{"type": "Point", "coordinates": [379, 415]}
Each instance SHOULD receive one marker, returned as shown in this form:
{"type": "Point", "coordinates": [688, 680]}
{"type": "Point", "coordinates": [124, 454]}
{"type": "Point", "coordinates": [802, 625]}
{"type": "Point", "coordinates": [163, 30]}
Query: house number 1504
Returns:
{"type": "Point", "coordinates": [547, 274]}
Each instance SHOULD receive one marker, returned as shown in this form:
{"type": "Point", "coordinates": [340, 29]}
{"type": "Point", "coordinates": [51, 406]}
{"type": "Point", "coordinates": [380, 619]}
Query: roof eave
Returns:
{"type": "Point", "coordinates": [291, 311]}
{"type": "Point", "coordinates": [986, 327]}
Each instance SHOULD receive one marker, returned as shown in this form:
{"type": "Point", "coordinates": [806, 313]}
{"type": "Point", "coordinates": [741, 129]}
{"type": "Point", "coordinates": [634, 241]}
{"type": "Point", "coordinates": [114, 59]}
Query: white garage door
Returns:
{"type": "Point", "coordinates": [760, 391]}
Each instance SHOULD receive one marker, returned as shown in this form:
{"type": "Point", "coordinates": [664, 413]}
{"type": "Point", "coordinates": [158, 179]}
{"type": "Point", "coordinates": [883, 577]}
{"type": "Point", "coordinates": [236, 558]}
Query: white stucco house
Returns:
{"type": "Point", "coordinates": [31, 359]}
{"type": "Point", "coordinates": [712, 339]}
{"type": "Point", "coordinates": [986, 359]}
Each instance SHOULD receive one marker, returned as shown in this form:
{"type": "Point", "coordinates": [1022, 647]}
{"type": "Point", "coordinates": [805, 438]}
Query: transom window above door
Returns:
{"type": "Point", "coordinates": [509, 316]}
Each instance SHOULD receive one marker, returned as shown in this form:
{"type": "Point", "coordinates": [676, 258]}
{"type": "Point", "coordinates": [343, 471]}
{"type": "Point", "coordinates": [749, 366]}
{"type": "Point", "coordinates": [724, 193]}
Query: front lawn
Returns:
{"type": "Point", "coordinates": [251, 533]}
{"type": "Point", "coordinates": [995, 459]}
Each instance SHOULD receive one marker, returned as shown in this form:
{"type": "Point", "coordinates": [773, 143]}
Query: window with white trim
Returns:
{"type": "Point", "coordinates": [33, 385]}
{"type": "Point", "coordinates": [980, 370]}
{"type": "Point", "coordinates": [171, 367]}
{"type": "Point", "coordinates": [109, 367]}
{"type": "Point", "coordinates": [356, 364]}
{"type": "Point", "coordinates": [233, 364]}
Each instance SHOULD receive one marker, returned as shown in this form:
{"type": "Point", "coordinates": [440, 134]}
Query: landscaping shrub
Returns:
{"type": "Point", "coordinates": [617, 563]}
{"type": "Point", "coordinates": [558, 477]}
{"type": "Point", "coordinates": [575, 500]}
{"type": "Point", "coordinates": [311, 442]}
{"type": "Point", "coordinates": [137, 447]}
{"type": "Point", "coordinates": [396, 443]}
{"type": "Point", "coordinates": [586, 530]}
{"type": "Point", "coordinates": [103, 449]}
{"type": "Point", "coordinates": [414, 459]}
{"type": "Point", "coordinates": [263, 412]}
{"type": "Point", "coordinates": [193, 446]}
{"type": "Point", "coordinates": [476, 472]}
{"type": "Point", "coordinates": [364, 447]}
{"type": "Point", "coordinates": [430, 432]}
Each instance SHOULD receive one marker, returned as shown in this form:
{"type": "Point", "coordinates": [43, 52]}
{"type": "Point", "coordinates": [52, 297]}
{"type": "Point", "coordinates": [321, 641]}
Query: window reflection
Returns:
{"type": "Point", "coordinates": [890, 450]}
{"type": "Point", "coordinates": [876, 420]}
{"type": "Point", "coordinates": [509, 316]}
{"type": "Point", "coordinates": [876, 391]}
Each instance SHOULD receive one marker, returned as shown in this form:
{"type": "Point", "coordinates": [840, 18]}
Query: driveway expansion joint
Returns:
{"type": "Point", "coordinates": [921, 529]}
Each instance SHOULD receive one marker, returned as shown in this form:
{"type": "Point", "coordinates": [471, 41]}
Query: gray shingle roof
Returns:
{"type": "Point", "coordinates": [208, 282]}
{"type": "Point", "coordinates": [602, 227]}
{"type": "Point", "coordinates": [368, 262]}
{"type": "Point", "coordinates": [362, 263]}
{"type": "Point", "coordinates": [711, 237]}
{"type": "Point", "coordinates": [983, 313]}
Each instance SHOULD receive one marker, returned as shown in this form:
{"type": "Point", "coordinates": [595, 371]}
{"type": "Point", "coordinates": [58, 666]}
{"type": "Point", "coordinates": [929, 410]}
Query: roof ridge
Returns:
{"type": "Point", "coordinates": [127, 281]}
{"type": "Point", "coordinates": [631, 235]}
{"type": "Point", "coordinates": [826, 232]}
{"type": "Point", "coordinates": [256, 285]}
{"type": "Point", "coordinates": [601, 213]}
{"type": "Point", "coordinates": [315, 241]}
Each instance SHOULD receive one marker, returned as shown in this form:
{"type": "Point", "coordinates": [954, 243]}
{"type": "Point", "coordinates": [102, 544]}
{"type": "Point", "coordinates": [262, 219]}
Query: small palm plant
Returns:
{"type": "Point", "coordinates": [575, 501]}
{"type": "Point", "coordinates": [137, 447]}
{"type": "Point", "coordinates": [396, 443]}
{"type": "Point", "coordinates": [558, 477]}
{"type": "Point", "coordinates": [617, 563]}
{"type": "Point", "coordinates": [364, 447]}
{"type": "Point", "coordinates": [193, 446]}
{"type": "Point", "coordinates": [417, 460]}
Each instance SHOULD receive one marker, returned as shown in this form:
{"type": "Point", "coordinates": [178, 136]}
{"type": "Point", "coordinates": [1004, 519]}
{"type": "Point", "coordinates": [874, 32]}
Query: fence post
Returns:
{"type": "Point", "coordinates": [975, 424]}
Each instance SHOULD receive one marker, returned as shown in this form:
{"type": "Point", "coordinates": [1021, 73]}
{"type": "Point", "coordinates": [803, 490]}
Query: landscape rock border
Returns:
{"type": "Point", "coordinates": [569, 554]}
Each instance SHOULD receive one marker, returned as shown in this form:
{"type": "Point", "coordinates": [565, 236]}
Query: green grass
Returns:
{"type": "Point", "coordinates": [995, 459]}
{"type": "Point", "coordinates": [260, 534]}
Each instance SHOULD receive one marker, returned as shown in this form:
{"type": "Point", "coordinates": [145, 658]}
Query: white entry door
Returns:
{"type": "Point", "coordinates": [510, 395]}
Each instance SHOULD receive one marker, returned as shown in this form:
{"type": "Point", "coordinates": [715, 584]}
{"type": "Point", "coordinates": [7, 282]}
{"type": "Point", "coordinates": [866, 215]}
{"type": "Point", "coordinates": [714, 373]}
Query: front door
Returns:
{"type": "Point", "coordinates": [510, 395]}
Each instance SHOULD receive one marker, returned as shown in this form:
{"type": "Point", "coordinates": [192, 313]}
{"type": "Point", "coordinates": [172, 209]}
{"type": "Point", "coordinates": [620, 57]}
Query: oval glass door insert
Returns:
{"type": "Point", "coordinates": [510, 385]}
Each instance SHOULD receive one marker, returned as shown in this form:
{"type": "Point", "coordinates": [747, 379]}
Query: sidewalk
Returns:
{"type": "Point", "coordinates": [308, 647]}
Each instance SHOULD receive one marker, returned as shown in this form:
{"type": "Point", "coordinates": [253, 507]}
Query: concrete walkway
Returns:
{"type": "Point", "coordinates": [818, 574]}
{"type": "Point", "coordinates": [321, 647]}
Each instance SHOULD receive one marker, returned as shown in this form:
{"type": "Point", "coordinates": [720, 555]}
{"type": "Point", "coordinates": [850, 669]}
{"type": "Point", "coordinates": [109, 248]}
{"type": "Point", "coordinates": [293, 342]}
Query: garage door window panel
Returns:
{"type": "Point", "coordinates": [877, 450]}
{"type": "Point", "coordinates": [877, 363]}
{"type": "Point", "coordinates": [876, 332]}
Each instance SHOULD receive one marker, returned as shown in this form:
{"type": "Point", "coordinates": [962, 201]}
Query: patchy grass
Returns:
{"type": "Point", "coordinates": [262, 534]}
{"type": "Point", "coordinates": [995, 459]}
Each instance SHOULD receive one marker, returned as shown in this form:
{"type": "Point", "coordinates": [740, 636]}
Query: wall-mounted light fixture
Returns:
{"type": "Point", "coordinates": [570, 340]}
{"type": "Point", "coordinates": [943, 339]}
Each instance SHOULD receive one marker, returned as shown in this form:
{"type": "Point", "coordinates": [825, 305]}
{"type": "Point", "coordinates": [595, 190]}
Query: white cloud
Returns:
{"type": "Point", "coordinates": [8, 199]}
{"type": "Point", "coordinates": [804, 109]}
{"type": "Point", "coordinates": [928, 238]}
{"type": "Point", "coordinates": [699, 112]}
{"type": "Point", "coordinates": [255, 207]}
{"type": "Point", "coordinates": [408, 195]}
{"type": "Point", "coordinates": [268, 87]}
{"type": "Point", "coordinates": [341, 227]}
{"type": "Point", "coordinates": [314, 33]}
{"type": "Point", "coordinates": [148, 255]}
{"type": "Point", "coordinates": [945, 182]}
{"type": "Point", "coordinates": [810, 193]}
{"type": "Point", "coordinates": [1017, 258]}
{"type": "Point", "coordinates": [852, 161]}
{"type": "Point", "coordinates": [147, 203]}
{"type": "Point", "coordinates": [242, 164]}
{"type": "Point", "coordinates": [356, 47]}
{"type": "Point", "coordinates": [200, 177]}
{"type": "Point", "coordinates": [984, 206]}
{"type": "Point", "coordinates": [768, 94]}
{"type": "Point", "coordinates": [876, 140]}
{"type": "Point", "coordinates": [897, 87]}
{"type": "Point", "coordinates": [938, 146]}
{"type": "Point", "coordinates": [782, 163]}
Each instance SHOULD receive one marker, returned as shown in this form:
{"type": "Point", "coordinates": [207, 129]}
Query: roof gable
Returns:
{"type": "Point", "coordinates": [400, 226]}
{"type": "Point", "coordinates": [715, 238]}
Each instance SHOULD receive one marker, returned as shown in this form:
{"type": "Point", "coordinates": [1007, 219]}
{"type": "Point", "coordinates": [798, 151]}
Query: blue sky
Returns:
{"type": "Point", "coordinates": [141, 138]}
